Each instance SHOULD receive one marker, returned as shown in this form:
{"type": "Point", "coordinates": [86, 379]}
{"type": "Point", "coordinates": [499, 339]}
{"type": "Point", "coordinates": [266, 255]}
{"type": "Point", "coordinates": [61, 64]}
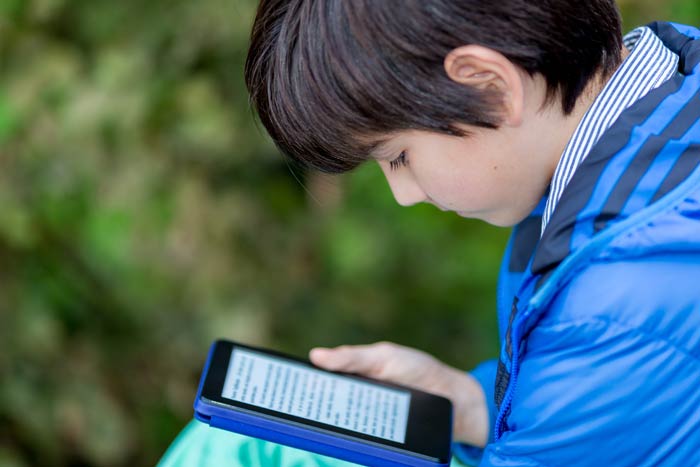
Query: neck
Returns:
{"type": "Point", "coordinates": [567, 124]}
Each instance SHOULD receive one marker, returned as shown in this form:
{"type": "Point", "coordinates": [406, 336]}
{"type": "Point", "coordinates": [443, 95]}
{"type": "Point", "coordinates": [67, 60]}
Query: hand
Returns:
{"type": "Point", "coordinates": [410, 367]}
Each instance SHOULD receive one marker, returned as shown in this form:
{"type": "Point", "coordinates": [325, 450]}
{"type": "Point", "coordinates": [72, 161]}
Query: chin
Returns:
{"type": "Point", "coordinates": [503, 223]}
{"type": "Point", "coordinates": [497, 219]}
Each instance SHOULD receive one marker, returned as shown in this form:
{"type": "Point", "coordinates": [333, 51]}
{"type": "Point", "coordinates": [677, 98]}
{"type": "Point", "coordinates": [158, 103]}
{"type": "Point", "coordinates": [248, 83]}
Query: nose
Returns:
{"type": "Point", "coordinates": [404, 187]}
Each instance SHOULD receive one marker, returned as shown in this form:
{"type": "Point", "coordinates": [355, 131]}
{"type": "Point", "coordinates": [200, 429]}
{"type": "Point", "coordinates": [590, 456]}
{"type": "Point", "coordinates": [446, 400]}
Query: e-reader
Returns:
{"type": "Point", "coordinates": [287, 400]}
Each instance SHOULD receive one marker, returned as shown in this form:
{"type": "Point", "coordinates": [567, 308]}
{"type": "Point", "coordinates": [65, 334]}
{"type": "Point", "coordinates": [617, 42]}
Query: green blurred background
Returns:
{"type": "Point", "coordinates": [143, 214]}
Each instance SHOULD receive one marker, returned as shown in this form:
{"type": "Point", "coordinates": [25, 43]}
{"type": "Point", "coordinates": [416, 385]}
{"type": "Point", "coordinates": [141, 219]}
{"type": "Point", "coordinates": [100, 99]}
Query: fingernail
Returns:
{"type": "Point", "coordinates": [318, 352]}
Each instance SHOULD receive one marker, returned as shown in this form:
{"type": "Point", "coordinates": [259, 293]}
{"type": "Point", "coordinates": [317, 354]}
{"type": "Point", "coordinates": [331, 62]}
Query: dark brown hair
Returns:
{"type": "Point", "coordinates": [328, 78]}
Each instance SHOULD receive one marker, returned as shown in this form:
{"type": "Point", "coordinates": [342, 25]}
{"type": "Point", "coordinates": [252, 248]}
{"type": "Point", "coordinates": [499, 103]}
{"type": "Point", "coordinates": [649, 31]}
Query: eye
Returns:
{"type": "Point", "coordinates": [399, 161]}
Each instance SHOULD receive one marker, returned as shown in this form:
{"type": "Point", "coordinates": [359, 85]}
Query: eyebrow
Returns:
{"type": "Point", "coordinates": [379, 150]}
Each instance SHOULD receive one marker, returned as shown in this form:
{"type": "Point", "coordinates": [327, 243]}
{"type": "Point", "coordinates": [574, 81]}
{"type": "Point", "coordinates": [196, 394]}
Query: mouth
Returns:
{"type": "Point", "coordinates": [441, 208]}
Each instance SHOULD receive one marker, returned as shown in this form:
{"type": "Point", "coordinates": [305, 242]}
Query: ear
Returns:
{"type": "Point", "coordinates": [486, 69]}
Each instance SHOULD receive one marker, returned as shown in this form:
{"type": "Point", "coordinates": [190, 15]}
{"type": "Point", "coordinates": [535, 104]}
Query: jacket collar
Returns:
{"type": "Point", "coordinates": [652, 147]}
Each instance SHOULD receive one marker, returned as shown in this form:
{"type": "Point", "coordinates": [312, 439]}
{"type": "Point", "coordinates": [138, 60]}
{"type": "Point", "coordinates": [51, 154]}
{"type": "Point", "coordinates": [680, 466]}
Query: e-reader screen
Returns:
{"type": "Point", "coordinates": [295, 389]}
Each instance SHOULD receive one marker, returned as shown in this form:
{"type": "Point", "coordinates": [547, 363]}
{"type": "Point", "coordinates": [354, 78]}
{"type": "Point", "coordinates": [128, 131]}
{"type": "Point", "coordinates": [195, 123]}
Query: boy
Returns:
{"type": "Point", "coordinates": [533, 114]}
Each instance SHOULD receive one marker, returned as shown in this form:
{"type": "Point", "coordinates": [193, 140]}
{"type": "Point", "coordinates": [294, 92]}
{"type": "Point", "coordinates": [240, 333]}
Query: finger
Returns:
{"type": "Point", "coordinates": [363, 359]}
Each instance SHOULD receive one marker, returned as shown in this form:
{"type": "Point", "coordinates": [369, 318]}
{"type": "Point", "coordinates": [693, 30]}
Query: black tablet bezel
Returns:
{"type": "Point", "coordinates": [424, 436]}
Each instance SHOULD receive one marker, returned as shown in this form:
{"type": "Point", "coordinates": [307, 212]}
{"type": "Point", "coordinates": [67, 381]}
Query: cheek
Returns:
{"type": "Point", "coordinates": [463, 173]}
{"type": "Point", "coordinates": [449, 185]}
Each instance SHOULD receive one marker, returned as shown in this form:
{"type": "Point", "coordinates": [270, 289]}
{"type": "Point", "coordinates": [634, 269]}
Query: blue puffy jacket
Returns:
{"type": "Point", "coordinates": [600, 362]}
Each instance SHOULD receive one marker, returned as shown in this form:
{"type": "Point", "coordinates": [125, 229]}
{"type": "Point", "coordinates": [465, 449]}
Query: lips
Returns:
{"type": "Point", "coordinates": [441, 208]}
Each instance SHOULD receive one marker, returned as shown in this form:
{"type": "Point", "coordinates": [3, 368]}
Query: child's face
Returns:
{"type": "Point", "coordinates": [498, 176]}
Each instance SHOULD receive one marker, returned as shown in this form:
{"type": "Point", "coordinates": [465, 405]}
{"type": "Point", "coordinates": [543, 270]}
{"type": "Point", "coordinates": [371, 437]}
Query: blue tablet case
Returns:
{"type": "Point", "coordinates": [299, 437]}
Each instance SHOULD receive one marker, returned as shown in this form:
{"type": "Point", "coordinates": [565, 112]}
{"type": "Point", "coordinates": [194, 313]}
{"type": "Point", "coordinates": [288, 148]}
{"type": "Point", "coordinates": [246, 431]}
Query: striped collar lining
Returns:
{"type": "Point", "coordinates": [648, 66]}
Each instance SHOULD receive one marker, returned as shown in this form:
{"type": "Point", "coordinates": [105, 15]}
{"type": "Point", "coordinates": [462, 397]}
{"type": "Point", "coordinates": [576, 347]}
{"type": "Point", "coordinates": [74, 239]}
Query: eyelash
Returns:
{"type": "Point", "coordinates": [399, 161]}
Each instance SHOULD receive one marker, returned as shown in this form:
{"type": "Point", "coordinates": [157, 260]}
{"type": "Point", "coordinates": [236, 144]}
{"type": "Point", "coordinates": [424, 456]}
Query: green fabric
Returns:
{"type": "Point", "coordinates": [199, 445]}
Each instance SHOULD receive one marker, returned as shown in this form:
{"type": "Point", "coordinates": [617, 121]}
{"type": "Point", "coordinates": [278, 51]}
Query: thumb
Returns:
{"type": "Point", "coordinates": [349, 358]}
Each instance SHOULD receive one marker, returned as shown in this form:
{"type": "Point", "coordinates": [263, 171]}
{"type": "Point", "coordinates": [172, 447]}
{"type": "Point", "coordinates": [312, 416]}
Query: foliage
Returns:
{"type": "Point", "coordinates": [143, 213]}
